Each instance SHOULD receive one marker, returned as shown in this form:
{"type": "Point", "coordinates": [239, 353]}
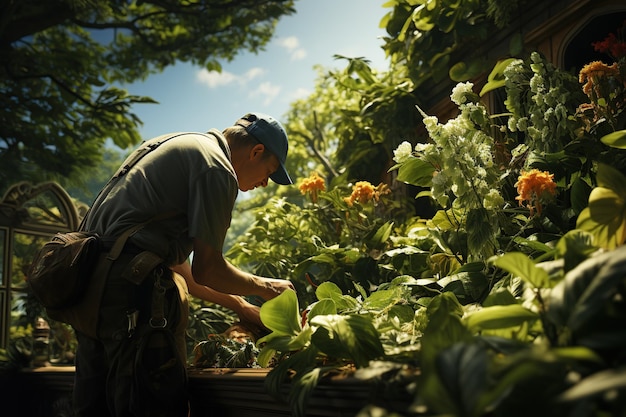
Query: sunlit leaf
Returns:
{"type": "Point", "coordinates": [416, 171]}
{"type": "Point", "coordinates": [382, 299]}
{"type": "Point", "coordinates": [597, 384]}
{"type": "Point", "coordinates": [322, 307]}
{"type": "Point", "coordinates": [615, 139]}
{"type": "Point", "coordinates": [281, 314]}
{"type": "Point", "coordinates": [496, 317]}
{"type": "Point", "coordinates": [495, 79]}
{"type": "Point", "coordinates": [520, 265]}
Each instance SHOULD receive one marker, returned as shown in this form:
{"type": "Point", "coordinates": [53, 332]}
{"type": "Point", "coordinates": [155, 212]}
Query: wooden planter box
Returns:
{"type": "Point", "coordinates": [223, 392]}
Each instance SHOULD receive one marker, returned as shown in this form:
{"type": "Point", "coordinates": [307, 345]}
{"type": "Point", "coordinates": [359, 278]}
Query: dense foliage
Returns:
{"type": "Point", "coordinates": [508, 301]}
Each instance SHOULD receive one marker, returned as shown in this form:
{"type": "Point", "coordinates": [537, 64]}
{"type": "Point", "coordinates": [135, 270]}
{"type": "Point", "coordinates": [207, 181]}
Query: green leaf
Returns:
{"type": "Point", "coordinates": [444, 330]}
{"type": "Point", "coordinates": [596, 384]}
{"type": "Point", "coordinates": [330, 290]}
{"type": "Point", "coordinates": [303, 385]}
{"type": "Point", "coordinates": [461, 71]}
{"type": "Point", "coordinates": [382, 299]}
{"type": "Point", "coordinates": [496, 79]}
{"type": "Point", "coordinates": [579, 195]}
{"type": "Point", "coordinates": [519, 265]}
{"type": "Point", "coordinates": [480, 232]}
{"type": "Point", "coordinates": [322, 308]}
{"type": "Point", "coordinates": [587, 301]}
{"type": "Point", "coordinates": [416, 172]}
{"type": "Point", "coordinates": [611, 178]}
{"type": "Point", "coordinates": [281, 314]}
{"type": "Point", "coordinates": [347, 337]}
{"type": "Point", "coordinates": [615, 140]}
{"type": "Point", "coordinates": [380, 237]}
{"type": "Point", "coordinates": [605, 204]}
{"type": "Point", "coordinates": [498, 317]}
{"type": "Point", "coordinates": [574, 247]}
{"type": "Point", "coordinates": [462, 370]}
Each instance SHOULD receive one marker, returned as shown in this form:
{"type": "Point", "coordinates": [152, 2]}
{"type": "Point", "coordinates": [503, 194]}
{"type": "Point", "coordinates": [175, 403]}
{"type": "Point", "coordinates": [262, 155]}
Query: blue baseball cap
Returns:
{"type": "Point", "coordinates": [269, 132]}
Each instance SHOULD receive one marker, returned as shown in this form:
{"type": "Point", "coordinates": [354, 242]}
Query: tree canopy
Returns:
{"type": "Point", "coordinates": [63, 62]}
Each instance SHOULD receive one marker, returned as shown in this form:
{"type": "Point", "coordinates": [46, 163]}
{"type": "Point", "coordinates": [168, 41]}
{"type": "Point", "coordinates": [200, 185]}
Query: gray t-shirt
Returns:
{"type": "Point", "coordinates": [190, 176]}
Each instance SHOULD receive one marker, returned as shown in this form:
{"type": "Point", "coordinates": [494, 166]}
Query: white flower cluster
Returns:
{"type": "Point", "coordinates": [460, 91]}
{"type": "Point", "coordinates": [461, 153]}
{"type": "Point", "coordinates": [537, 97]}
{"type": "Point", "coordinates": [402, 153]}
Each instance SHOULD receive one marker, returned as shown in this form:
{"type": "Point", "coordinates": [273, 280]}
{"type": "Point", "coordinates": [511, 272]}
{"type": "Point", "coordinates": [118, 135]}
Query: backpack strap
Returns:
{"type": "Point", "coordinates": [134, 157]}
{"type": "Point", "coordinates": [118, 246]}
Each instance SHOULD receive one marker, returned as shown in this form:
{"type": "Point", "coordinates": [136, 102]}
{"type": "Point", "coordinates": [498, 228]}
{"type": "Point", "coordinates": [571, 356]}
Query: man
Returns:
{"type": "Point", "coordinates": [183, 192]}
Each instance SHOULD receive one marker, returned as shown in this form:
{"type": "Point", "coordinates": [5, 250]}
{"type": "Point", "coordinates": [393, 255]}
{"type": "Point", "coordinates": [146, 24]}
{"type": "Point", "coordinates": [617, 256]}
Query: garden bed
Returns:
{"type": "Point", "coordinates": [220, 392]}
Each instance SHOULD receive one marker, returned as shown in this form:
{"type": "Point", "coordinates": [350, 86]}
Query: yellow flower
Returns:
{"type": "Point", "coordinates": [536, 187]}
{"type": "Point", "coordinates": [312, 185]}
{"type": "Point", "coordinates": [363, 191]}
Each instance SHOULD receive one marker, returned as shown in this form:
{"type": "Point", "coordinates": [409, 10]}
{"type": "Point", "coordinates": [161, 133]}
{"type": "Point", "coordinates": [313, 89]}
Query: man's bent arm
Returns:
{"type": "Point", "coordinates": [209, 268]}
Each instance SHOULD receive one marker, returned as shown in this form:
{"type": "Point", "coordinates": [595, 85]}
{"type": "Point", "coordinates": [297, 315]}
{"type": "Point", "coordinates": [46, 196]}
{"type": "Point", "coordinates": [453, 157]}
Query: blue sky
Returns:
{"type": "Point", "coordinates": [193, 99]}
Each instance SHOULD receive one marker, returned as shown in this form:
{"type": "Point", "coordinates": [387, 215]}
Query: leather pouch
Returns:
{"type": "Point", "coordinates": [140, 266]}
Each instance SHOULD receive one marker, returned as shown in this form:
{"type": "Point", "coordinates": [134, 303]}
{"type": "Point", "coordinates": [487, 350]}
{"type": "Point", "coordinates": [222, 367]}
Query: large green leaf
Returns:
{"type": "Point", "coordinates": [480, 232]}
{"type": "Point", "coordinates": [330, 290]}
{"type": "Point", "coordinates": [382, 299]}
{"type": "Point", "coordinates": [586, 304]}
{"type": "Point", "coordinates": [615, 139]}
{"type": "Point", "coordinates": [574, 247]}
{"type": "Point", "coordinates": [462, 370]}
{"type": "Point", "coordinates": [611, 178]}
{"type": "Point", "coordinates": [444, 329]}
{"type": "Point", "coordinates": [322, 307]}
{"type": "Point", "coordinates": [462, 71]}
{"type": "Point", "coordinates": [281, 314]}
{"type": "Point", "coordinates": [498, 317]}
{"type": "Point", "coordinates": [605, 217]}
{"type": "Point", "coordinates": [520, 265]}
{"type": "Point", "coordinates": [416, 171]}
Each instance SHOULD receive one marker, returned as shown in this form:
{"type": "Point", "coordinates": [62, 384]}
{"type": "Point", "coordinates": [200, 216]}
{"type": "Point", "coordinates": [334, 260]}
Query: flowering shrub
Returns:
{"type": "Point", "coordinates": [478, 301]}
{"type": "Point", "coordinates": [506, 285]}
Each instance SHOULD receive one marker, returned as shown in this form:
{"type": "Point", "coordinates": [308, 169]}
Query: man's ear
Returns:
{"type": "Point", "coordinates": [257, 151]}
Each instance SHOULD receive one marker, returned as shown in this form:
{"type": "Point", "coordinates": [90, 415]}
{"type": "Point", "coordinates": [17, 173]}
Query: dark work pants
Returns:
{"type": "Point", "coordinates": [140, 374]}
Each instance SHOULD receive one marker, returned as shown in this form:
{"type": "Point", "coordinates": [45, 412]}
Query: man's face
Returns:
{"type": "Point", "coordinates": [257, 169]}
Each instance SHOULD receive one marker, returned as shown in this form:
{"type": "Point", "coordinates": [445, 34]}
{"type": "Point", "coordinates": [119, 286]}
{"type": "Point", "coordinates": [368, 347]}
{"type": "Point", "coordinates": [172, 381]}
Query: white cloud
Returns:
{"type": "Point", "coordinates": [298, 55]}
{"type": "Point", "coordinates": [266, 90]}
{"type": "Point", "coordinates": [292, 45]}
{"type": "Point", "coordinates": [215, 79]}
{"type": "Point", "coordinates": [253, 73]}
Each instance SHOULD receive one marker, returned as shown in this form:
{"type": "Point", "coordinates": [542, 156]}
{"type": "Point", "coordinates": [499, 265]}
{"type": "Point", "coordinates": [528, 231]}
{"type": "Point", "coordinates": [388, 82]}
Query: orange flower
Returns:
{"type": "Point", "coordinates": [593, 72]}
{"type": "Point", "coordinates": [536, 187]}
{"type": "Point", "coordinates": [312, 186]}
{"type": "Point", "coordinates": [363, 191]}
